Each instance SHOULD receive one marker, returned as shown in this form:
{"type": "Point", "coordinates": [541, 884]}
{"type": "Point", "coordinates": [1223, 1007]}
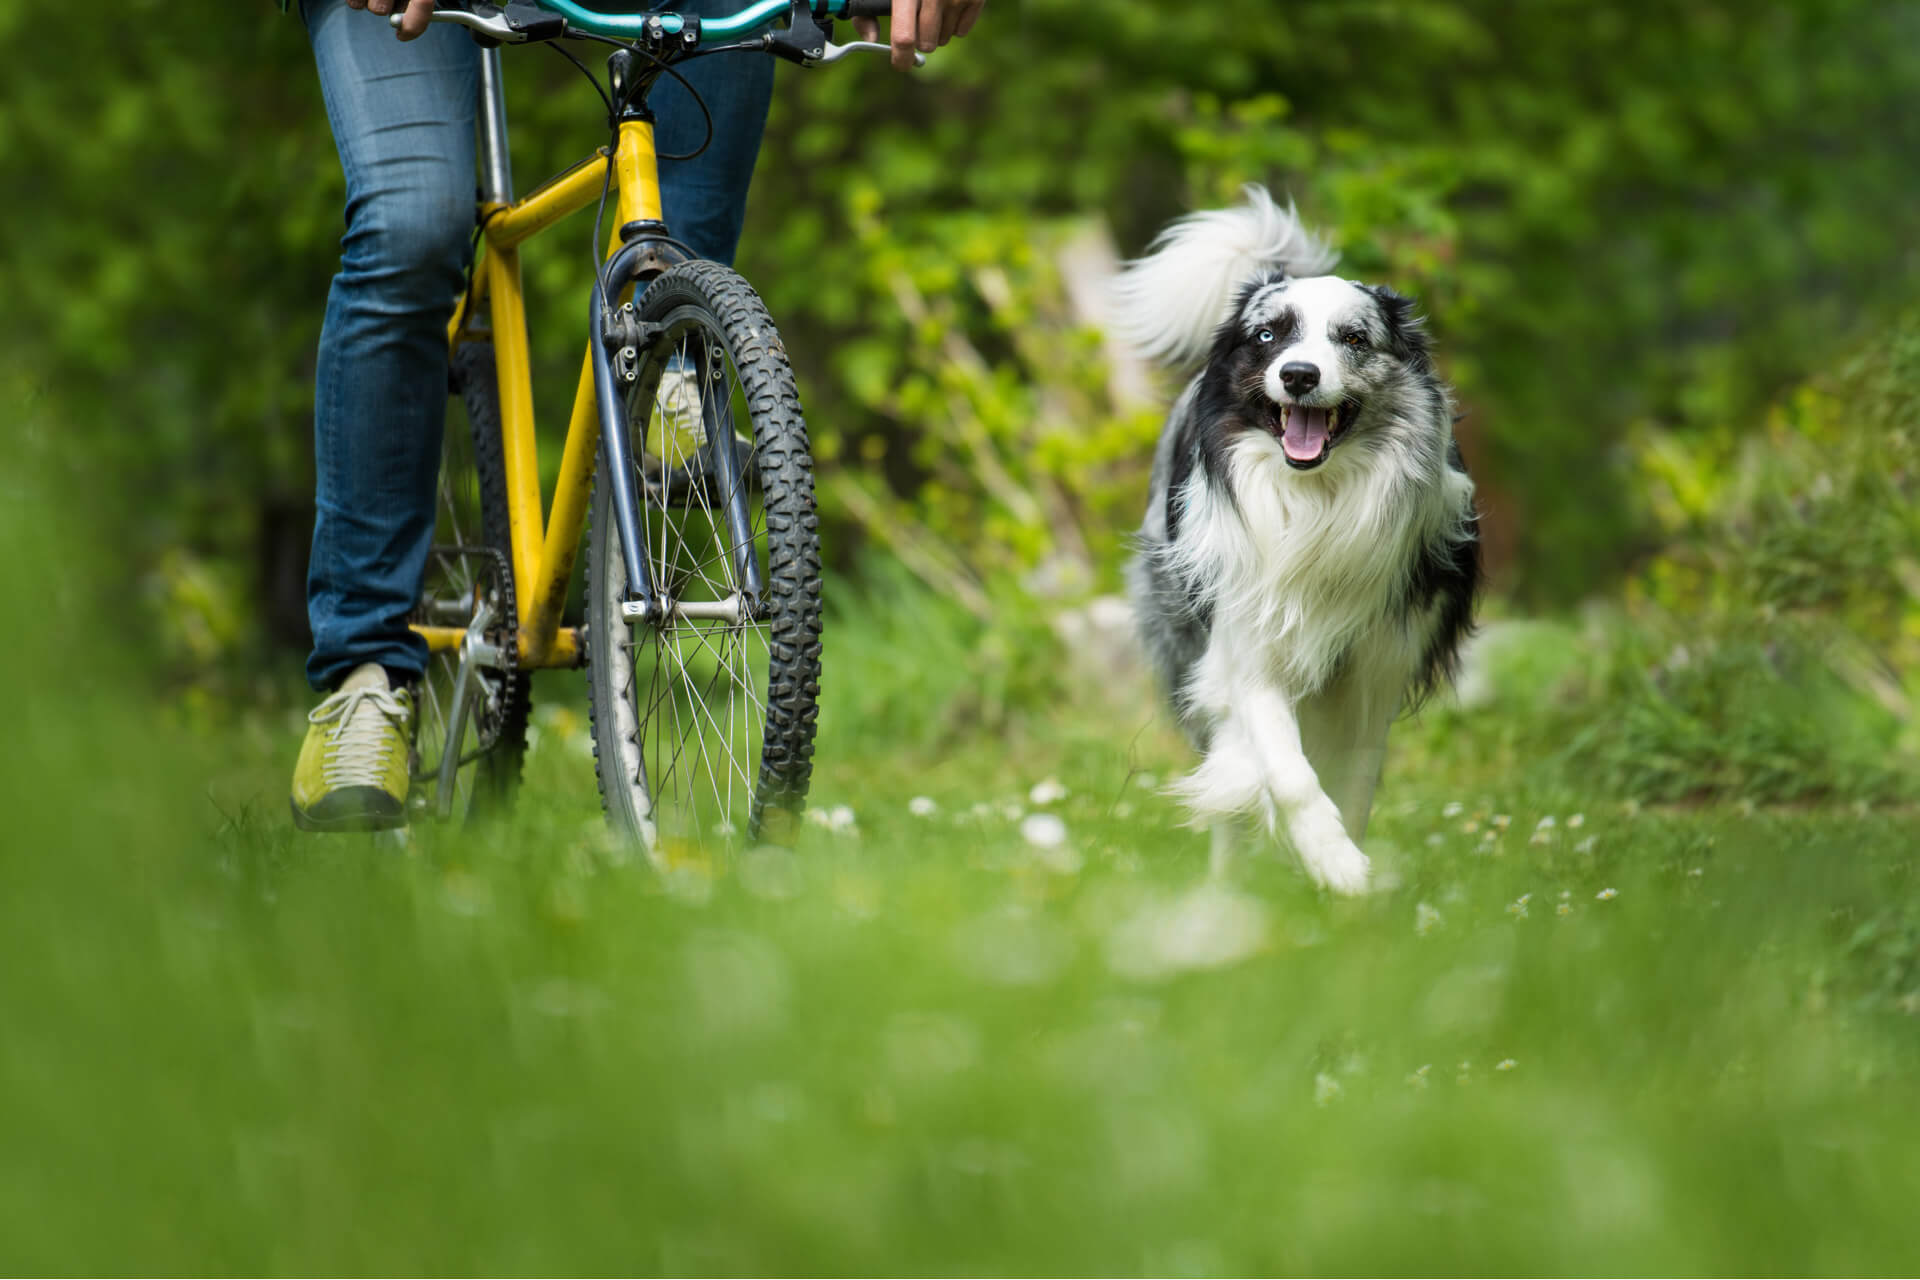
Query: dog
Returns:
{"type": "Point", "coordinates": [1309, 559]}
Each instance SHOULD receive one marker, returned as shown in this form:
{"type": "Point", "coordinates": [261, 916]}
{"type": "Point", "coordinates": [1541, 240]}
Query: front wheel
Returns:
{"type": "Point", "coordinates": [703, 716]}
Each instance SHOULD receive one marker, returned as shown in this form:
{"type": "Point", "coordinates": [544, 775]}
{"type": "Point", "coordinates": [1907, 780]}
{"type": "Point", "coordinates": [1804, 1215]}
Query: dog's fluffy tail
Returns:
{"type": "Point", "coordinates": [1167, 304]}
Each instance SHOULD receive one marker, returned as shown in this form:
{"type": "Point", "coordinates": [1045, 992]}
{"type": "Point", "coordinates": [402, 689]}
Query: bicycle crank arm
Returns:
{"type": "Point", "coordinates": [475, 652]}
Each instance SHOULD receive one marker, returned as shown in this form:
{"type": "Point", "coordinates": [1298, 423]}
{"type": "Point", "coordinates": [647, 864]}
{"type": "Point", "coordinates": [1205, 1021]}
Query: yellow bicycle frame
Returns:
{"type": "Point", "coordinates": [544, 545]}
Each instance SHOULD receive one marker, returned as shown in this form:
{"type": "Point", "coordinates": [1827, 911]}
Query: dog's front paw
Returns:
{"type": "Point", "coordinates": [1337, 865]}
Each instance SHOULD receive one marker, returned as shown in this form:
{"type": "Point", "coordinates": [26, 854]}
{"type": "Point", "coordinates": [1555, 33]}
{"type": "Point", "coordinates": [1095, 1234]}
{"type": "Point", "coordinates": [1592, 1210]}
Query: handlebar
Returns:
{"type": "Point", "coordinates": [524, 21]}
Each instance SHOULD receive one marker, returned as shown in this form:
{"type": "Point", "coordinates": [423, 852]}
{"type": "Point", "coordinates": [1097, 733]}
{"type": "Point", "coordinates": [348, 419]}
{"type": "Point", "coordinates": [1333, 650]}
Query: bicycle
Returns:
{"type": "Point", "coordinates": [703, 557]}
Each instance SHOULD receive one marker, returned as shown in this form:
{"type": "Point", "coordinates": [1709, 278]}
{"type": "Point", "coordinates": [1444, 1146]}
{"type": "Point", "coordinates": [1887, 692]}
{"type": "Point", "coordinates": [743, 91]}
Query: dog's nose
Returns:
{"type": "Point", "coordinates": [1299, 377]}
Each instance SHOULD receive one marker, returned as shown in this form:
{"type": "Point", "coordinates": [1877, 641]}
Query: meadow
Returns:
{"type": "Point", "coordinates": [987, 1016]}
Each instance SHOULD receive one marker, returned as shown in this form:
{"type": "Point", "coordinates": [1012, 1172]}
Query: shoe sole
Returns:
{"type": "Point", "coordinates": [347, 824]}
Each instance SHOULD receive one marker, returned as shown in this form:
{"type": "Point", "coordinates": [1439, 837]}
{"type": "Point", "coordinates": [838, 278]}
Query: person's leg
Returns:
{"type": "Point", "coordinates": [705, 198]}
{"type": "Point", "coordinates": [402, 117]}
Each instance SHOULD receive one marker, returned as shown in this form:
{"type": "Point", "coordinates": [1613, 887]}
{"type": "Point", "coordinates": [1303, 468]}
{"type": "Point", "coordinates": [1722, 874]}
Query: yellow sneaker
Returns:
{"type": "Point", "coordinates": [679, 430]}
{"type": "Point", "coordinates": [352, 774]}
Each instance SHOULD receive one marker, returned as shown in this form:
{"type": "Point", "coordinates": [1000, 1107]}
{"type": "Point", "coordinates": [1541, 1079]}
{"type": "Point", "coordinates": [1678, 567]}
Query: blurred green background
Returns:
{"type": "Point", "coordinates": [1668, 252]}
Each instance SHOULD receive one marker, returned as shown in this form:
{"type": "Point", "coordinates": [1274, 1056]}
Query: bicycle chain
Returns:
{"type": "Point", "coordinates": [508, 643]}
{"type": "Point", "coordinates": [506, 640]}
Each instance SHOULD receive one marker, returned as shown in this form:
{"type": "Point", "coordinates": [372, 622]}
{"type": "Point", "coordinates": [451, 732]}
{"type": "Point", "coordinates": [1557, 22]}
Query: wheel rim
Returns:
{"type": "Point", "coordinates": [698, 687]}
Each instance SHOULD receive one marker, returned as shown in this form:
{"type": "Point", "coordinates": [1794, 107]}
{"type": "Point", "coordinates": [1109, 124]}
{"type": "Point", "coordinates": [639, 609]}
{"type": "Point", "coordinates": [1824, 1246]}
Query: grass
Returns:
{"type": "Point", "coordinates": [1573, 1033]}
{"type": "Point", "coordinates": [1655, 1041]}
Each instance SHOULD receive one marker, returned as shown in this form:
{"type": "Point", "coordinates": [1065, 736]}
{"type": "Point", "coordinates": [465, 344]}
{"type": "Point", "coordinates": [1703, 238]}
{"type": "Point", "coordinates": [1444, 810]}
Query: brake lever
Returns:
{"type": "Point", "coordinates": [808, 39]}
{"type": "Point", "coordinates": [834, 52]}
{"type": "Point", "coordinates": [509, 23]}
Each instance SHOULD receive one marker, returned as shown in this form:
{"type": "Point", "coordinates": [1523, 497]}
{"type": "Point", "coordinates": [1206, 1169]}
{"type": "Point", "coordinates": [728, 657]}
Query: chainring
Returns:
{"type": "Point", "coordinates": [493, 585]}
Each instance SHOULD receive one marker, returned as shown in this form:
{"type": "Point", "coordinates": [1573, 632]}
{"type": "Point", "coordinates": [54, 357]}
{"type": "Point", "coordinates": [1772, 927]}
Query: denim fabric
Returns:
{"type": "Point", "coordinates": [402, 118]}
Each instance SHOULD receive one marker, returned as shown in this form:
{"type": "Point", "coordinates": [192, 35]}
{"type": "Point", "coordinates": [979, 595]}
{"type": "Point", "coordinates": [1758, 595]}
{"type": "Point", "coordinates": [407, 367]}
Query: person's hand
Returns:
{"type": "Point", "coordinates": [922, 25]}
{"type": "Point", "coordinates": [418, 11]}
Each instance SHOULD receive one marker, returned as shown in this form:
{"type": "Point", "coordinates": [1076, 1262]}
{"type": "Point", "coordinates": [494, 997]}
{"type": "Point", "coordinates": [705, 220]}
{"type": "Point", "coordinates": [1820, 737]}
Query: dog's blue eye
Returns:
{"type": "Point", "coordinates": [1266, 335]}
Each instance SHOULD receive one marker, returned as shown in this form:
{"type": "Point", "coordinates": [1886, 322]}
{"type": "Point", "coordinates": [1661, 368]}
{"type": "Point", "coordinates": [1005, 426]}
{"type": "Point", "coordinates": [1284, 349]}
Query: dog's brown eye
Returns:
{"type": "Point", "coordinates": [1355, 340]}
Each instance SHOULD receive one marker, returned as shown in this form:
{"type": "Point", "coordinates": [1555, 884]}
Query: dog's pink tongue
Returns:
{"type": "Point", "coordinates": [1306, 435]}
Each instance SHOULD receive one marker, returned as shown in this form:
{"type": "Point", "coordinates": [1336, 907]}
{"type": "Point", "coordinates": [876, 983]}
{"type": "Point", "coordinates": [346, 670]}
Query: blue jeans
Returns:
{"type": "Point", "coordinates": [403, 117]}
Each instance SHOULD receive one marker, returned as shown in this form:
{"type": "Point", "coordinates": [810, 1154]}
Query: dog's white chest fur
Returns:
{"type": "Point", "coordinates": [1298, 568]}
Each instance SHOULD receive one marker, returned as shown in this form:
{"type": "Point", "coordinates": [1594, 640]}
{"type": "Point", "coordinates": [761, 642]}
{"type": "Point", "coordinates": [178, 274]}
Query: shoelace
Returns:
{"type": "Point", "coordinates": [680, 408]}
{"type": "Point", "coordinates": [362, 743]}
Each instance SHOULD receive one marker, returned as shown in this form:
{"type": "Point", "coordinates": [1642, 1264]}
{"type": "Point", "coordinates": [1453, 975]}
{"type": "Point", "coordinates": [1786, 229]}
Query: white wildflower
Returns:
{"type": "Point", "coordinates": [1453, 810]}
{"type": "Point", "coordinates": [1044, 831]}
{"type": "Point", "coordinates": [838, 819]}
{"type": "Point", "coordinates": [922, 807]}
{"type": "Point", "coordinates": [1585, 846]}
{"type": "Point", "coordinates": [1417, 1078]}
{"type": "Point", "coordinates": [1606, 895]}
{"type": "Point", "coordinates": [1518, 907]}
{"type": "Point", "coordinates": [1425, 919]}
{"type": "Point", "coordinates": [1326, 1090]}
{"type": "Point", "coordinates": [1577, 821]}
{"type": "Point", "coordinates": [1505, 1064]}
{"type": "Point", "coordinates": [1436, 839]}
{"type": "Point", "coordinates": [1047, 791]}
{"type": "Point", "coordinates": [1545, 824]}
{"type": "Point", "coordinates": [1564, 909]}
{"type": "Point", "coordinates": [1502, 820]}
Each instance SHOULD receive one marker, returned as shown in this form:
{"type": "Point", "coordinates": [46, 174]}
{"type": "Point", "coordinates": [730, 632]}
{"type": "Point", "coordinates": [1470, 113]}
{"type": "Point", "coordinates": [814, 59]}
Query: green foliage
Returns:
{"type": "Point", "coordinates": [1615, 213]}
{"type": "Point", "coordinates": [1770, 651]}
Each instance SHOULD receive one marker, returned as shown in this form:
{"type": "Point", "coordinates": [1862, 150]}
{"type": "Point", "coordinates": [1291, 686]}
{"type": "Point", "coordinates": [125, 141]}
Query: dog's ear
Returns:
{"type": "Point", "coordinates": [1406, 331]}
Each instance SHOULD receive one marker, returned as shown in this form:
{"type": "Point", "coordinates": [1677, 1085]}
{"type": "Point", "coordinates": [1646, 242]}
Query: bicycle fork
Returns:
{"type": "Point", "coordinates": [645, 253]}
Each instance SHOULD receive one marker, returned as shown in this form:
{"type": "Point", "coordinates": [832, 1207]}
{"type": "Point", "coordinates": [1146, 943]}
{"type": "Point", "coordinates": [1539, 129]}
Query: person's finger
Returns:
{"type": "Point", "coordinates": [970, 16]}
{"type": "Point", "coordinates": [419, 12]}
{"type": "Point", "coordinates": [356, 4]}
{"type": "Point", "coordinates": [926, 31]}
{"type": "Point", "coordinates": [381, 7]}
{"type": "Point", "coordinates": [950, 22]}
{"type": "Point", "coordinates": [867, 28]}
{"type": "Point", "coordinates": [900, 32]}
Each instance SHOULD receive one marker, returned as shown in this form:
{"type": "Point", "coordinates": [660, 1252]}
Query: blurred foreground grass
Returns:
{"type": "Point", "coordinates": [1572, 1039]}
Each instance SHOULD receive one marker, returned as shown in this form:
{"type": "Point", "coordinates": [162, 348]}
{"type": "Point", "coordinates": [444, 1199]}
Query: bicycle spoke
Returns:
{"type": "Point", "coordinates": [699, 761]}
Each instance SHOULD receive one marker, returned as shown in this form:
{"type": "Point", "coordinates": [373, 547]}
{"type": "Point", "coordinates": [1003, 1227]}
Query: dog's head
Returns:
{"type": "Point", "coordinates": [1316, 362]}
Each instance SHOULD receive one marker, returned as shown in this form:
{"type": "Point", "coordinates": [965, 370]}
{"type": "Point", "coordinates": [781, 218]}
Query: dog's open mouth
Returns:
{"type": "Point", "coordinates": [1308, 432]}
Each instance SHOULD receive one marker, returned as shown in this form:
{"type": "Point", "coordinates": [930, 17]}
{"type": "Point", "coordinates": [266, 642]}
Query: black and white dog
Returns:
{"type": "Point", "coordinates": [1308, 562]}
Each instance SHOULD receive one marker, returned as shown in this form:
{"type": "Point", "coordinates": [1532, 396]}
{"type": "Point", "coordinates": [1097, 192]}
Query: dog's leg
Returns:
{"type": "Point", "coordinates": [1220, 854]}
{"type": "Point", "coordinates": [1254, 763]}
{"type": "Point", "coordinates": [1344, 731]}
{"type": "Point", "coordinates": [1312, 820]}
